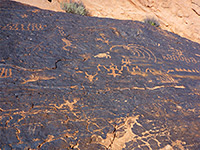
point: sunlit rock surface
(75, 82)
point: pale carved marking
(34, 78)
(90, 77)
(177, 55)
(24, 27)
(103, 55)
(137, 51)
(197, 55)
(66, 103)
(5, 73)
(103, 39)
(67, 44)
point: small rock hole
(50, 1)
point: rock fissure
(195, 12)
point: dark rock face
(73, 82)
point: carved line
(22, 27)
(151, 88)
(5, 73)
(103, 39)
(179, 56)
(90, 77)
(103, 55)
(138, 51)
(34, 78)
(197, 55)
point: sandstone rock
(179, 16)
(77, 82)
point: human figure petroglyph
(90, 77)
(161, 75)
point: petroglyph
(103, 39)
(163, 77)
(90, 83)
(123, 134)
(61, 31)
(67, 43)
(34, 78)
(177, 55)
(90, 77)
(187, 70)
(25, 27)
(66, 103)
(24, 16)
(5, 73)
(136, 51)
(197, 55)
(112, 70)
(151, 88)
(103, 55)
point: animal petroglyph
(103, 55)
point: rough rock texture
(179, 16)
(44, 4)
(72, 82)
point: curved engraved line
(115, 46)
(155, 59)
(138, 53)
(146, 49)
(135, 49)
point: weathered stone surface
(181, 17)
(72, 82)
